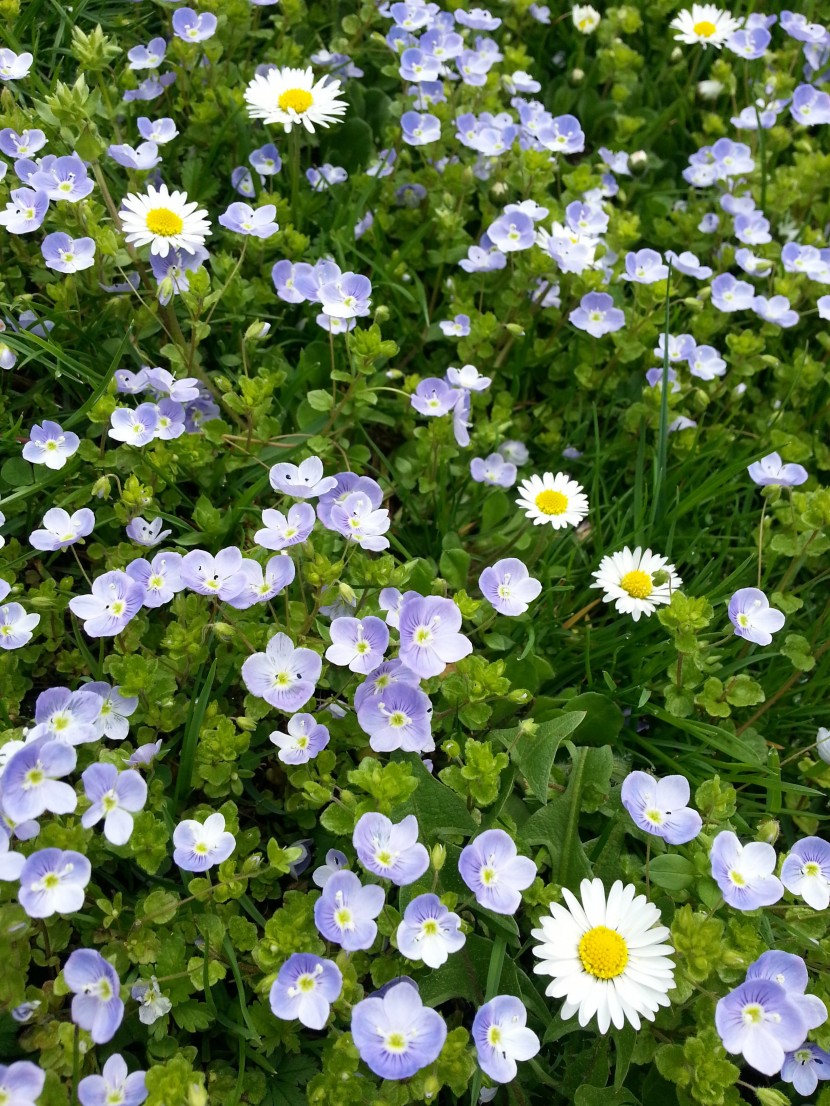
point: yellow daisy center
(604, 954)
(551, 503)
(163, 221)
(637, 583)
(296, 99)
(704, 28)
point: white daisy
(607, 958)
(291, 96)
(554, 499)
(164, 220)
(628, 581)
(706, 24)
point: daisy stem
(294, 140)
(648, 859)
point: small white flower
(706, 24)
(163, 220)
(557, 500)
(292, 97)
(628, 581)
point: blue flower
(397, 1035)
(304, 989)
(345, 912)
(97, 1006)
(501, 1037)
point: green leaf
(438, 809)
(454, 566)
(602, 719)
(672, 872)
(192, 1016)
(586, 1095)
(320, 400)
(534, 753)
(17, 473)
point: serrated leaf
(534, 754)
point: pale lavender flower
(50, 445)
(661, 806)
(171, 272)
(772, 470)
(53, 882)
(201, 845)
(26, 210)
(390, 849)
(364, 224)
(457, 327)
(321, 179)
(358, 520)
(171, 420)
(419, 129)
(358, 643)
(775, 310)
(16, 626)
(142, 157)
(304, 990)
(744, 873)
(150, 89)
(11, 865)
(347, 297)
(136, 427)
(645, 267)
(790, 972)
(285, 275)
(429, 931)
(97, 1006)
(809, 106)
(706, 363)
(148, 57)
(66, 178)
(262, 584)
(115, 599)
(152, 1003)
(306, 737)
(68, 716)
(399, 717)
(806, 872)
(494, 470)
(805, 1067)
(220, 576)
(752, 616)
(144, 755)
(112, 721)
(114, 1086)
(164, 383)
(191, 26)
(281, 531)
(688, 264)
(21, 1083)
(494, 872)
(159, 131)
(396, 1035)
(729, 294)
(335, 862)
(386, 675)
(597, 315)
(303, 481)
(67, 255)
(266, 160)
(501, 1037)
(23, 144)
(160, 578)
(115, 796)
(759, 1021)
(147, 533)
(242, 181)
(429, 635)
(468, 378)
(257, 222)
(508, 586)
(284, 676)
(60, 529)
(514, 231)
(32, 780)
(434, 396)
(345, 912)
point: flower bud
(223, 630)
(768, 831)
(257, 330)
(577, 76)
(431, 1087)
(438, 857)
(248, 725)
(638, 161)
(381, 314)
(768, 1096)
(196, 1095)
(451, 747)
(101, 488)
(347, 593)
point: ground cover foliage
(337, 783)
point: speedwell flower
(50, 445)
(772, 470)
(429, 634)
(390, 849)
(760, 1021)
(115, 796)
(508, 586)
(114, 1086)
(806, 872)
(557, 500)
(345, 912)
(607, 957)
(21, 1083)
(628, 581)
(54, 882)
(283, 675)
(661, 806)
(429, 931)
(494, 872)
(305, 988)
(115, 599)
(97, 1006)
(744, 873)
(501, 1037)
(291, 97)
(358, 643)
(752, 616)
(306, 737)
(60, 529)
(32, 780)
(397, 717)
(396, 1035)
(200, 845)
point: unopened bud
(244, 723)
(768, 831)
(768, 1096)
(577, 76)
(638, 161)
(347, 593)
(438, 857)
(257, 330)
(223, 630)
(102, 487)
(196, 1095)
(381, 314)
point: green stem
(294, 143)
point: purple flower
(729, 294)
(159, 131)
(775, 310)
(744, 873)
(136, 427)
(21, 1083)
(597, 315)
(759, 1021)
(113, 1085)
(147, 533)
(16, 626)
(115, 796)
(171, 273)
(283, 675)
(322, 178)
(398, 717)
(806, 872)
(148, 57)
(790, 972)
(66, 178)
(281, 531)
(96, 1007)
(200, 845)
(468, 378)
(160, 578)
(753, 617)
(514, 231)
(389, 849)
(335, 862)
(772, 470)
(661, 806)
(115, 710)
(347, 297)
(144, 755)
(458, 327)
(31, 780)
(53, 882)
(501, 1037)
(303, 481)
(645, 267)
(262, 584)
(220, 576)
(397, 1035)
(434, 396)
(304, 989)
(804, 1067)
(346, 910)
(797, 26)
(116, 598)
(562, 135)
(24, 144)
(67, 255)
(60, 529)
(429, 931)
(419, 129)
(306, 737)
(243, 219)
(150, 89)
(193, 26)
(494, 470)
(266, 160)
(143, 157)
(357, 519)
(808, 106)
(508, 586)
(386, 675)
(49, 445)
(26, 211)
(429, 637)
(688, 264)
(706, 363)
(494, 872)
(68, 716)
(358, 643)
